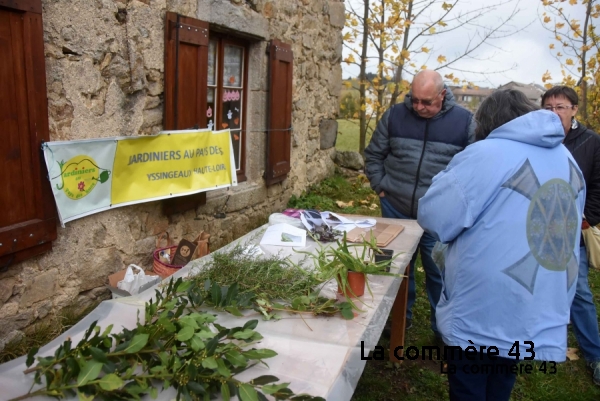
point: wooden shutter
(28, 218)
(280, 112)
(186, 76)
(186, 64)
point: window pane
(212, 52)
(231, 117)
(236, 140)
(210, 108)
(232, 69)
(230, 109)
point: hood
(449, 102)
(540, 128)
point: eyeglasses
(414, 100)
(560, 108)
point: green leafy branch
(176, 346)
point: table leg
(399, 318)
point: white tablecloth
(325, 361)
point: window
(226, 91)
(206, 86)
(28, 220)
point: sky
(523, 57)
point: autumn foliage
(575, 45)
(397, 38)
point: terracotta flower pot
(356, 282)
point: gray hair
(499, 108)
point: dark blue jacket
(407, 151)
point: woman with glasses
(584, 145)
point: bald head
(428, 78)
(427, 93)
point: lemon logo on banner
(80, 175)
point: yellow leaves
(572, 352)
(546, 76)
(354, 22)
(446, 6)
(591, 63)
(548, 86)
(449, 76)
(350, 59)
(572, 2)
(551, 45)
(424, 50)
(344, 205)
(575, 25)
(441, 59)
(405, 54)
(348, 84)
(363, 107)
(395, 49)
(347, 36)
(569, 61)
(432, 30)
(559, 25)
(442, 23)
(547, 19)
(423, 67)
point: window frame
(224, 39)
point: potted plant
(349, 264)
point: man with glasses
(414, 141)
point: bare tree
(402, 31)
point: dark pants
(486, 380)
(433, 276)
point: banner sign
(89, 176)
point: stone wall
(104, 65)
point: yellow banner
(170, 164)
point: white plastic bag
(132, 283)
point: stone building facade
(105, 78)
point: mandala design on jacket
(552, 223)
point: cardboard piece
(384, 233)
(184, 253)
(114, 278)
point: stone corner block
(328, 129)
(337, 14)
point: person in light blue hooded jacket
(510, 209)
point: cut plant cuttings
(160, 352)
(267, 284)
